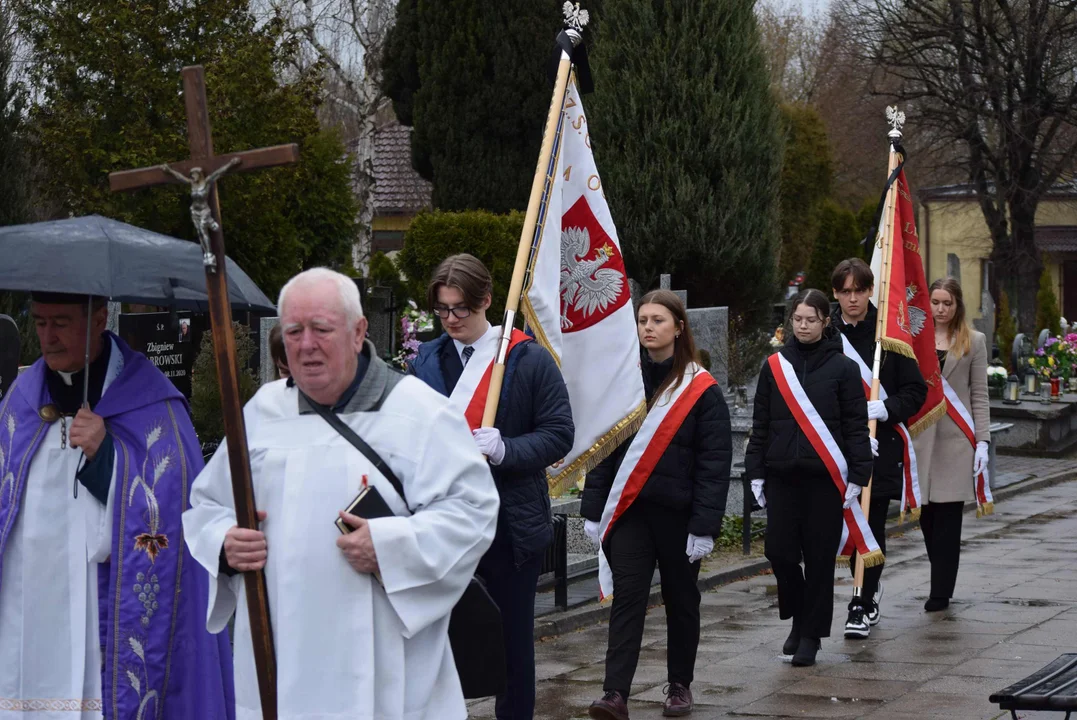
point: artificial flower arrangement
(412, 322)
(1057, 358)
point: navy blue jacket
(535, 420)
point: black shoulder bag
(475, 632)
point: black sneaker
(856, 627)
(873, 614)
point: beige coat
(944, 456)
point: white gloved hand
(874, 447)
(591, 530)
(979, 464)
(852, 492)
(490, 444)
(877, 410)
(757, 490)
(698, 547)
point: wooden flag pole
(880, 328)
(543, 175)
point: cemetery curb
(592, 613)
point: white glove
(591, 529)
(980, 463)
(490, 444)
(852, 492)
(757, 490)
(698, 547)
(874, 447)
(877, 410)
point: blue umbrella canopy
(94, 255)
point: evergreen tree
(687, 140)
(838, 238)
(470, 77)
(807, 170)
(14, 164)
(1048, 316)
(108, 75)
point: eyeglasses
(809, 321)
(460, 312)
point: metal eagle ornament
(896, 118)
(576, 18)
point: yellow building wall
(958, 227)
(391, 222)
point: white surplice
(346, 647)
(50, 653)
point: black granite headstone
(169, 341)
(10, 347)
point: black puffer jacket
(692, 473)
(906, 392)
(832, 382)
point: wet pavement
(1015, 609)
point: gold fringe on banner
(872, 559)
(898, 346)
(985, 509)
(928, 420)
(598, 452)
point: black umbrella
(96, 256)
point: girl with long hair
(949, 462)
(810, 416)
(659, 498)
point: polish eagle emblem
(917, 317)
(586, 286)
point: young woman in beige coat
(946, 460)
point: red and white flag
(578, 305)
(469, 395)
(856, 534)
(907, 325)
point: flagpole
(543, 176)
(882, 310)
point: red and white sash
(855, 534)
(985, 503)
(469, 395)
(659, 426)
(910, 486)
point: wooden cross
(200, 141)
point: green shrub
(1047, 313)
(205, 389)
(433, 236)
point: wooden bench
(1052, 688)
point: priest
(101, 605)
(360, 618)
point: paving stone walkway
(1015, 610)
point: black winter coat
(693, 472)
(906, 392)
(535, 420)
(777, 447)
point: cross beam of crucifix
(200, 172)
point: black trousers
(877, 511)
(804, 521)
(513, 589)
(941, 524)
(647, 533)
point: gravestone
(986, 323)
(710, 328)
(953, 266)
(379, 314)
(267, 370)
(664, 284)
(171, 348)
(10, 348)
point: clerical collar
(66, 388)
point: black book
(368, 504)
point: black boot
(793, 641)
(805, 654)
(934, 604)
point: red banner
(908, 327)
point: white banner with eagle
(577, 302)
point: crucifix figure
(201, 215)
(206, 216)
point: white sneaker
(856, 626)
(873, 614)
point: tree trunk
(1027, 264)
